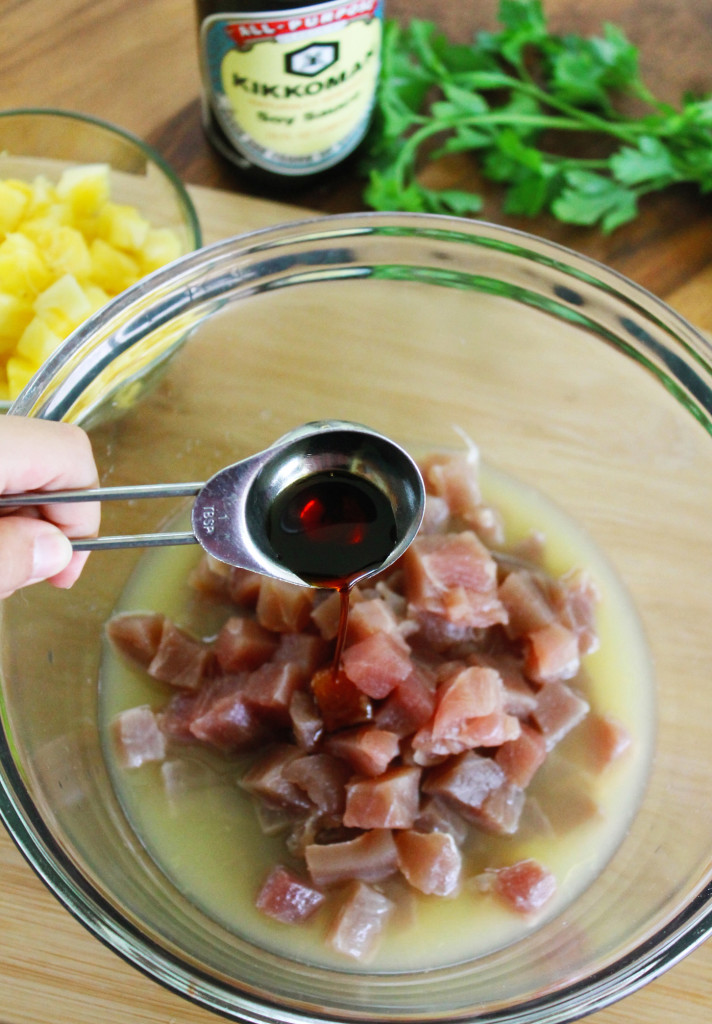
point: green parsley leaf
(588, 197)
(516, 99)
(651, 160)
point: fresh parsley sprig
(527, 103)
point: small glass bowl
(571, 379)
(45, 142)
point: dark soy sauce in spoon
(330, 529)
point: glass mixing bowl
(569, 378)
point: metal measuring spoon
(232, 511)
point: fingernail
(51, 553)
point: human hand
(41, 455)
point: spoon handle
(136, 540)
(100, 494)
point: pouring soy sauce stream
(332, 528)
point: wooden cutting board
(52, 971)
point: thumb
(30, 550)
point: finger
(69, 576)
(43, 455)
(31, 550)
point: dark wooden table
(134, 62)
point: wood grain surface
(135, 63)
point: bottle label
(293, 91)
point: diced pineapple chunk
(161, 246)
(41, 227)
(22, 269)
(112, 269)
(96, 296)
(15, 314)
(19, 373)
(85, 188)
(42, 196)
(37, 342)
(66, 252)
(122, 226)
(63, 305)
(13, 201)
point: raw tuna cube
(409, 706)
(326, 614)
(468, 713)
(224, 718)
(551, 653)
(565, 796)
(244, 586)
(180, 659)
(287, 898)
(533, 820)
(370, 857)
(211, 578)
(302, 649)
(242, 644)
(558, 710)
(270, 689)
(368, 749)
(431, 862)
(454, 477)
(306, 722)
(520, 758)
(390, 590)
(341, 703)
(453, 577)
(519, 696)
(525, 886)
(273, 820)
(436, 515)
(323, 778)
(359, 922)
(607, 739)
(266, 779)
(437, 634)
(464, 781)
(138, 738)
(315, 828)
(437, 816)
(389, 801)
(373, 616)
(471, 693)
(488, 524)
(526, 603)
(283, 607)
(500, 811)
(186, 775)
(176, 717)
(576, 597)
(137, 635)
(487, 731)
(377, 664)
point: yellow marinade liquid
(208, 842)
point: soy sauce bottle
(288, 89)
